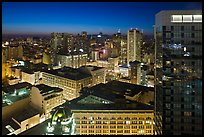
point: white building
(74, 61)
(45, 98)
(31, 77)
(69, 79)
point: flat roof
(64, 53)
(45, 89)
(90, 67)
(110, 96)
(122, 104)
(94, 68)
(10, 123)
(12, 98)
(68, 72)
(11, 88)
(119, 88)
(26, 113)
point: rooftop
(134, 62)
(70, 73)
(70, 53)
(27, 113)
(45, 89)
(9, 125)
(109, 96)
(122, 104)
(12, 88)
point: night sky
(93, 17)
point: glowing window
(176, 18)
(197, 18)
(187, 18)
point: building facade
(45, 98)
(74, 61)
(15, 52)
(134, 42)
(109, 109)
(135, 72)
(114, 122)
(69, 79)
(178, 73)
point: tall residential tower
(134, 41)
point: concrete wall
(11, 110)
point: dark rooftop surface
(122, 104)
(124, 66)
(28, 112)
(93, 68)
(11, 88)
(118, 88)
(67, 53)
(45, 89)
(70, 73)
(110, 96)
(12, 123)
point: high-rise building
(135, 72)
(134, 42)
(61, 41)
(178, 72)
(68, 43)
(4, 59)
(123, 51)
(15, 52)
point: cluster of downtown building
(101, 84)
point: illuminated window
(176, 18)
(187, 18)
(197, 18)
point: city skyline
(93, 17)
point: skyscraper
(61, 42)
(134, 41)
(178, 72)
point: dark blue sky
(93, 17)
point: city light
(82, 73)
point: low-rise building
(27, 118)
(105, 109)
(45, 98)
(16, 97)
(69, 79)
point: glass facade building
(178, 72)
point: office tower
(135, 72)
(134, 41)
(178, 73)
(123, 51)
